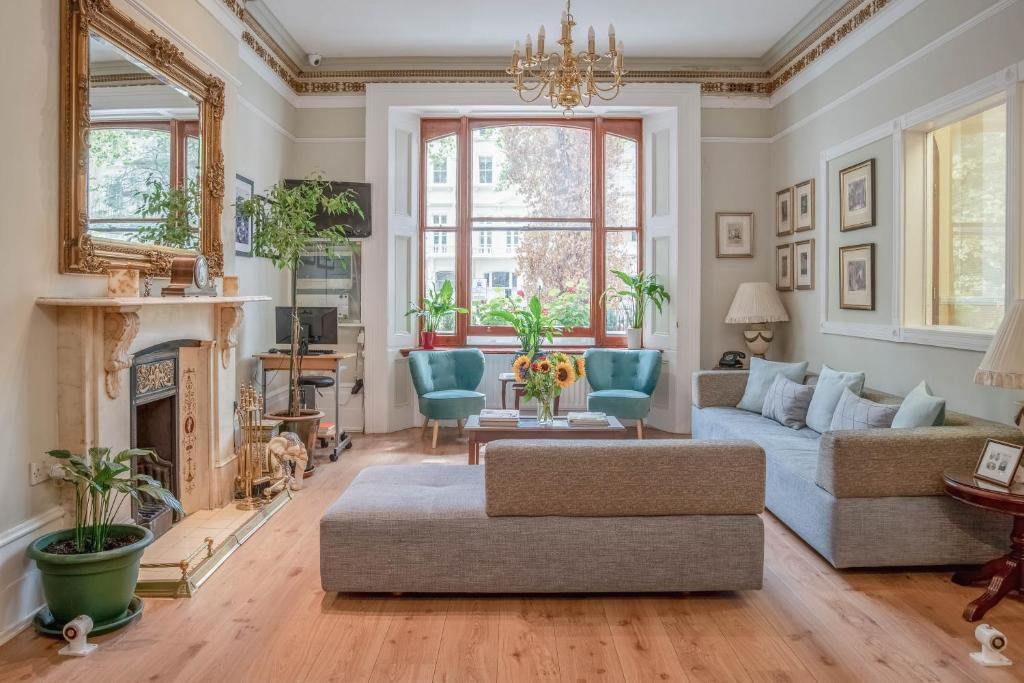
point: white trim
(885, 18)
(31, 524)
(737, 141)
(994, 84)
(734, 102)
(168, 30)
(252, 60)
(893, 68)
(266, 118)
(224, 16)
(864, 330)
(969, 340)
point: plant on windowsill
(285, 230)
(532, 325)
(641, 289)
(437, 306)
(92, 568)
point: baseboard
(21, 595)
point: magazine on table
(498, 418)
(587, 419)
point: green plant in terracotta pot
(438, 304)
(92, 568)
(285, 230)
(640, 289)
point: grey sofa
(871, 498)
(554, 517)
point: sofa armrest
(606, 478)
(884, 463)
(719, 387)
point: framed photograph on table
(784, 212)
(784, 267)
(998, 462)
(734, 235)
(857, 277)
(244, 189)
(804, 205)
(857, 196)
(803, 263)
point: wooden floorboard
(263, 617)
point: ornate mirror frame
(81, 252)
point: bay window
(550, 209)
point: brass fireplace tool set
(253, 452)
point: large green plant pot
(98, 584)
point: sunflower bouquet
(545, 378)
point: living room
(672, 341)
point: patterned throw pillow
(786, 402)
(854, 412)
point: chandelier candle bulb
(529, 48)
(540, 43)
(611, 39)
(591, 42)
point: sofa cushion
(854, 412)
(451, 404)
(762, 374)
(622, 403)
(787, 402)
(827, 392)
(920, 409)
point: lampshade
(756, 302)
(1003, 364)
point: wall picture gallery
(795, 261)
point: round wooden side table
(1003, 574)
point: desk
(325, 362)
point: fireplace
(157, 424)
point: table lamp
(1003, 364)
(757, 304)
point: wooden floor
(263, 617)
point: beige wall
(979, 51)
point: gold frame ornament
(81, 252)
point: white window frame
(1005, 82)
(479, 170)
(434, 168)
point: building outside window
(485, 170)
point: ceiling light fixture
(567, 79)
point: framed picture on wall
(803, 263)
(784, 212)
(857, 277)
(244, 189)
(734, 234)
(784, 267)
(857, 196)
(804, 202)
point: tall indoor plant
(640, 290)
(532, 325)
(285, 230)
(437, 305)
(92, 568)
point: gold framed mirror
(141, 165)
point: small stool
(316, 382)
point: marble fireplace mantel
(121, 325)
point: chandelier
(568, 79)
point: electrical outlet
(38, 472)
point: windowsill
(941, 337)
(510, 349)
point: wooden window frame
(462, 128)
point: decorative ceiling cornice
(753, 82)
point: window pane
(121, 160)
(509, 267)
(536, 171)
(968, 201)
(442, 165)
(620, 182)
(192, 158)
(438, 266)
(621, 252)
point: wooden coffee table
(529, 429)
(1003, 574)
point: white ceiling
(475, 28)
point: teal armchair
(446, 383)
(622, 382)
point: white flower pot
(634, 338)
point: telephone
(732, 359)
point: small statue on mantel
(287, 449)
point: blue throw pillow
(762, 374)
(920, 409)
(827, 392)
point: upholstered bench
(554, 517)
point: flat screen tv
(358, 227)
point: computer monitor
(317, 324)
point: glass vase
(545, 412)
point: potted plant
(437, 305)
(284, 230)
(532, 325)
(545, 377)
(178, 209)
(92, 568)
(641, 289)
